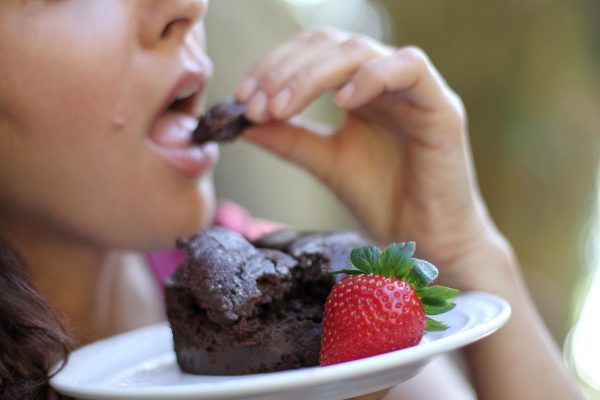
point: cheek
(54, 58)
(61, 99)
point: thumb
(306, 144)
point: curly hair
(33, 339)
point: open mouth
(178, 118)
(172, 130)
(185, 100)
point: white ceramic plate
(141, 364)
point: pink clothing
(163, 264)
(229, 215)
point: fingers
(292, 76)
(277, 66)
(263, 68)
(407, 71)
(358, 68)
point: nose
(168, 20)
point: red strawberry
(382, 305)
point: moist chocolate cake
(237, 307)
(222, 122)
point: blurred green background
(529, 75)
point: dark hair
(32, 337)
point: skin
(405, 142)
(81, 173)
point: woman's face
(98, 99)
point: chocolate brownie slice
(237, 307)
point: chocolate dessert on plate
(241, 307)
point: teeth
(187, 92)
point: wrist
(486, 264)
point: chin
(198, 216)
(181, 220)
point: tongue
(173, 129)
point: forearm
(521, 360)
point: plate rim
(290, 379)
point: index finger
(264, 67)
(408, 70)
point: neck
(65, 273)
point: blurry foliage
(528, 76)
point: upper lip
(188, 88)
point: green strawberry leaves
(434, 326)
(366, 259)
(436, 300)
(422, 274)
(396, 261)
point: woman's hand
(401, 159)
(401, 162)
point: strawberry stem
(396, 261)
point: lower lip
(180, 154)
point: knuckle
(371, 70)
(325, 35)
(458, 106)
(414, 54)
(300, 78)
(271, 80)
(357, 44)
(457, 111)
(302, 35)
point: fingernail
(257, 107)
(345, 93)
(246, 89)
(280, 102)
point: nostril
(177, 25)
(166, 30)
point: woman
(98, 99)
